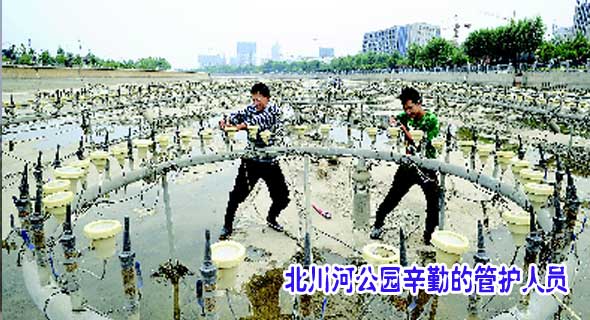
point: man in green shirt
(408, 175)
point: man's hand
(241, 126)
(392, 121)
(222, 124)
(407, 134)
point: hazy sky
(180, 30)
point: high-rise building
(582, 18)
(246, 53)
(399, 38)
(558, 32)
(275, 52)
(211, 60)
(326, 53)
(421, 33)
(386, 41)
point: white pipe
(544, 306)
(433, 164)
(60, 305)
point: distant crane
(456, 23)
(459, 23)
(500, 17)
(456, 26)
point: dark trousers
(249, 173)
(404, 179)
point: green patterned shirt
(428, 123)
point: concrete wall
(10, 72)
(530, 79)
(489, 78)
(533, 79)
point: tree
(576, 50)
(77, 61)
(394, 60)
(91, 60)
(28, 56)
(31, 52)
(546, 51)
(480, 45)
(515, 42)
(151, 63)
(46, 58)
(60, 57)
(110, 64)
(69, 60)
(10, 53)
(525, 37)
(459, 57)
(163, 64)
(581, 46)
(438, 52)
(414, 56)
(25, 59)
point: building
(421, 33)
(582, 18)
(326, 53)
(206, 61)
(399, 38)
(275, 54)
(581, 24)
(561, 32)
(386, 41)
(246, 53)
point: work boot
(376, 233)
(273, 224)
(225, 233)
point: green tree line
(22, 55)
(516, 42)
(576, 50)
